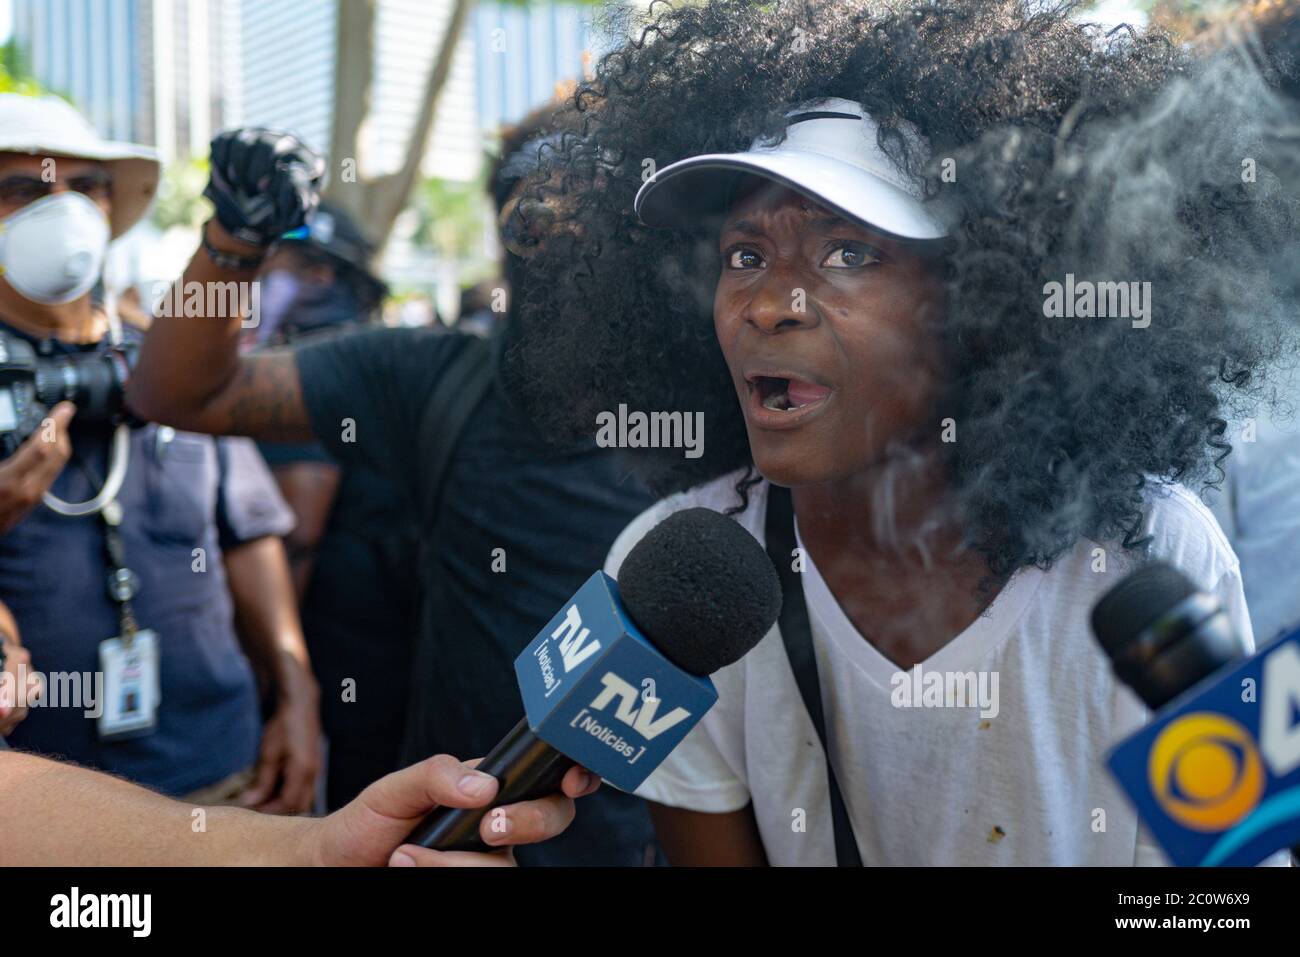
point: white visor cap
(830, 154)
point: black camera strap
(796, 633)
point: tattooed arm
(191, 376)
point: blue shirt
(182, 492)
(1259, 510)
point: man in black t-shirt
(353, 549)
(521, 524)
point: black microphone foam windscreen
(1136, 602)
(701, 588)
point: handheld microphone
(1216, 773)
(617, 677)
(1162, 635)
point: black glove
(263, 183)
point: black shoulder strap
(462, 386)
(797, 635)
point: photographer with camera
(127, 582)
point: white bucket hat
(49, 126)
(830, 153)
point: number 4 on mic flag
(1216, 774)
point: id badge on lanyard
(131, 692)
(129, 660)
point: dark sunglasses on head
(21, 189)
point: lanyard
(796, 633)
(123, 583)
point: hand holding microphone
(367, 831)
(617, 678)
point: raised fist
(263, 183)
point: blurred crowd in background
(417, 104)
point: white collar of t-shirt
(976, 642)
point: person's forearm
(698, 839)
(59, 814)
(310, 489)
(267, 614)
(302, 563)
(187, 360)
(190, 374)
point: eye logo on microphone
(1205, 771)
(1216, 774)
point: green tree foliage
(15, 71)
(451, 217)
(180, 199)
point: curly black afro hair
(1112, 155)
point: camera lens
(90, 382)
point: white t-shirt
(940, 785)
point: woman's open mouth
(777, 401)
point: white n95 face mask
(52, 250)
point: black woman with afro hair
(966, 294)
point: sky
(1108, 11)
(1113, 12)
